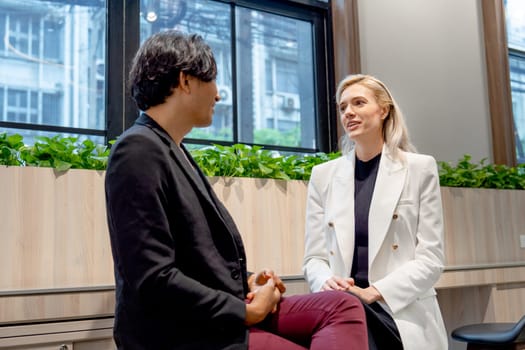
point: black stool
(492, 336)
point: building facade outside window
(49, 53)
(515, 13)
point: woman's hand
(367, 295)
(259, 279)
(338, 283)
(262, 301)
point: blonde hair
(395, 133)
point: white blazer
(405, 252)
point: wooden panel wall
(54, 232)
(270, 216)
(483, 226)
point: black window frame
(123, 41)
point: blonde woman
(374, 223)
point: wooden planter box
(54, 231)
(56, 258)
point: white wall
(431, 55)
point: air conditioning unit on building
(226, 95)
(289, 102)
(100, 69)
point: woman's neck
(365, 152)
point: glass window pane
(33, 107)
(34, 100)
(517, 83)
(282, 114)
(53, 38)
(17, 105)
(2, 117)
(515, 13)
(51, 105)
(2, 33)
(51, 52)
(22, 98)
(12, 97)
(33, 37)
(211, 20)
(23, 23)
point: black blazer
(180, 265)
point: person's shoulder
(419, 158)
(421, 163)
(139, 139)
(328, 165)
(137, 144)
(323, 173)
(134, 133)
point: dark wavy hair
(157, 65)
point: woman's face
(361, 116)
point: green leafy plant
(9, 148)
(480, 175)
(65, 153)
(241, 160)
(61, 153)
(300, 167)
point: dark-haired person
(180, 265)
(374, 222)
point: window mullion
(233, 55)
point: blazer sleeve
(143, 247)
(316, 266)
(417, 276)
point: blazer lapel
(199, 180)
(190, 168)
(389, 184)
(184, 159)
(342, 208)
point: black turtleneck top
(365, 178)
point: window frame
(122, 42)
(121, 111)
(498, 80)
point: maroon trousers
(323, 321)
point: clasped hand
(367, 295)
(265, 293)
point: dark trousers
(382, 330)
(323, 321)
